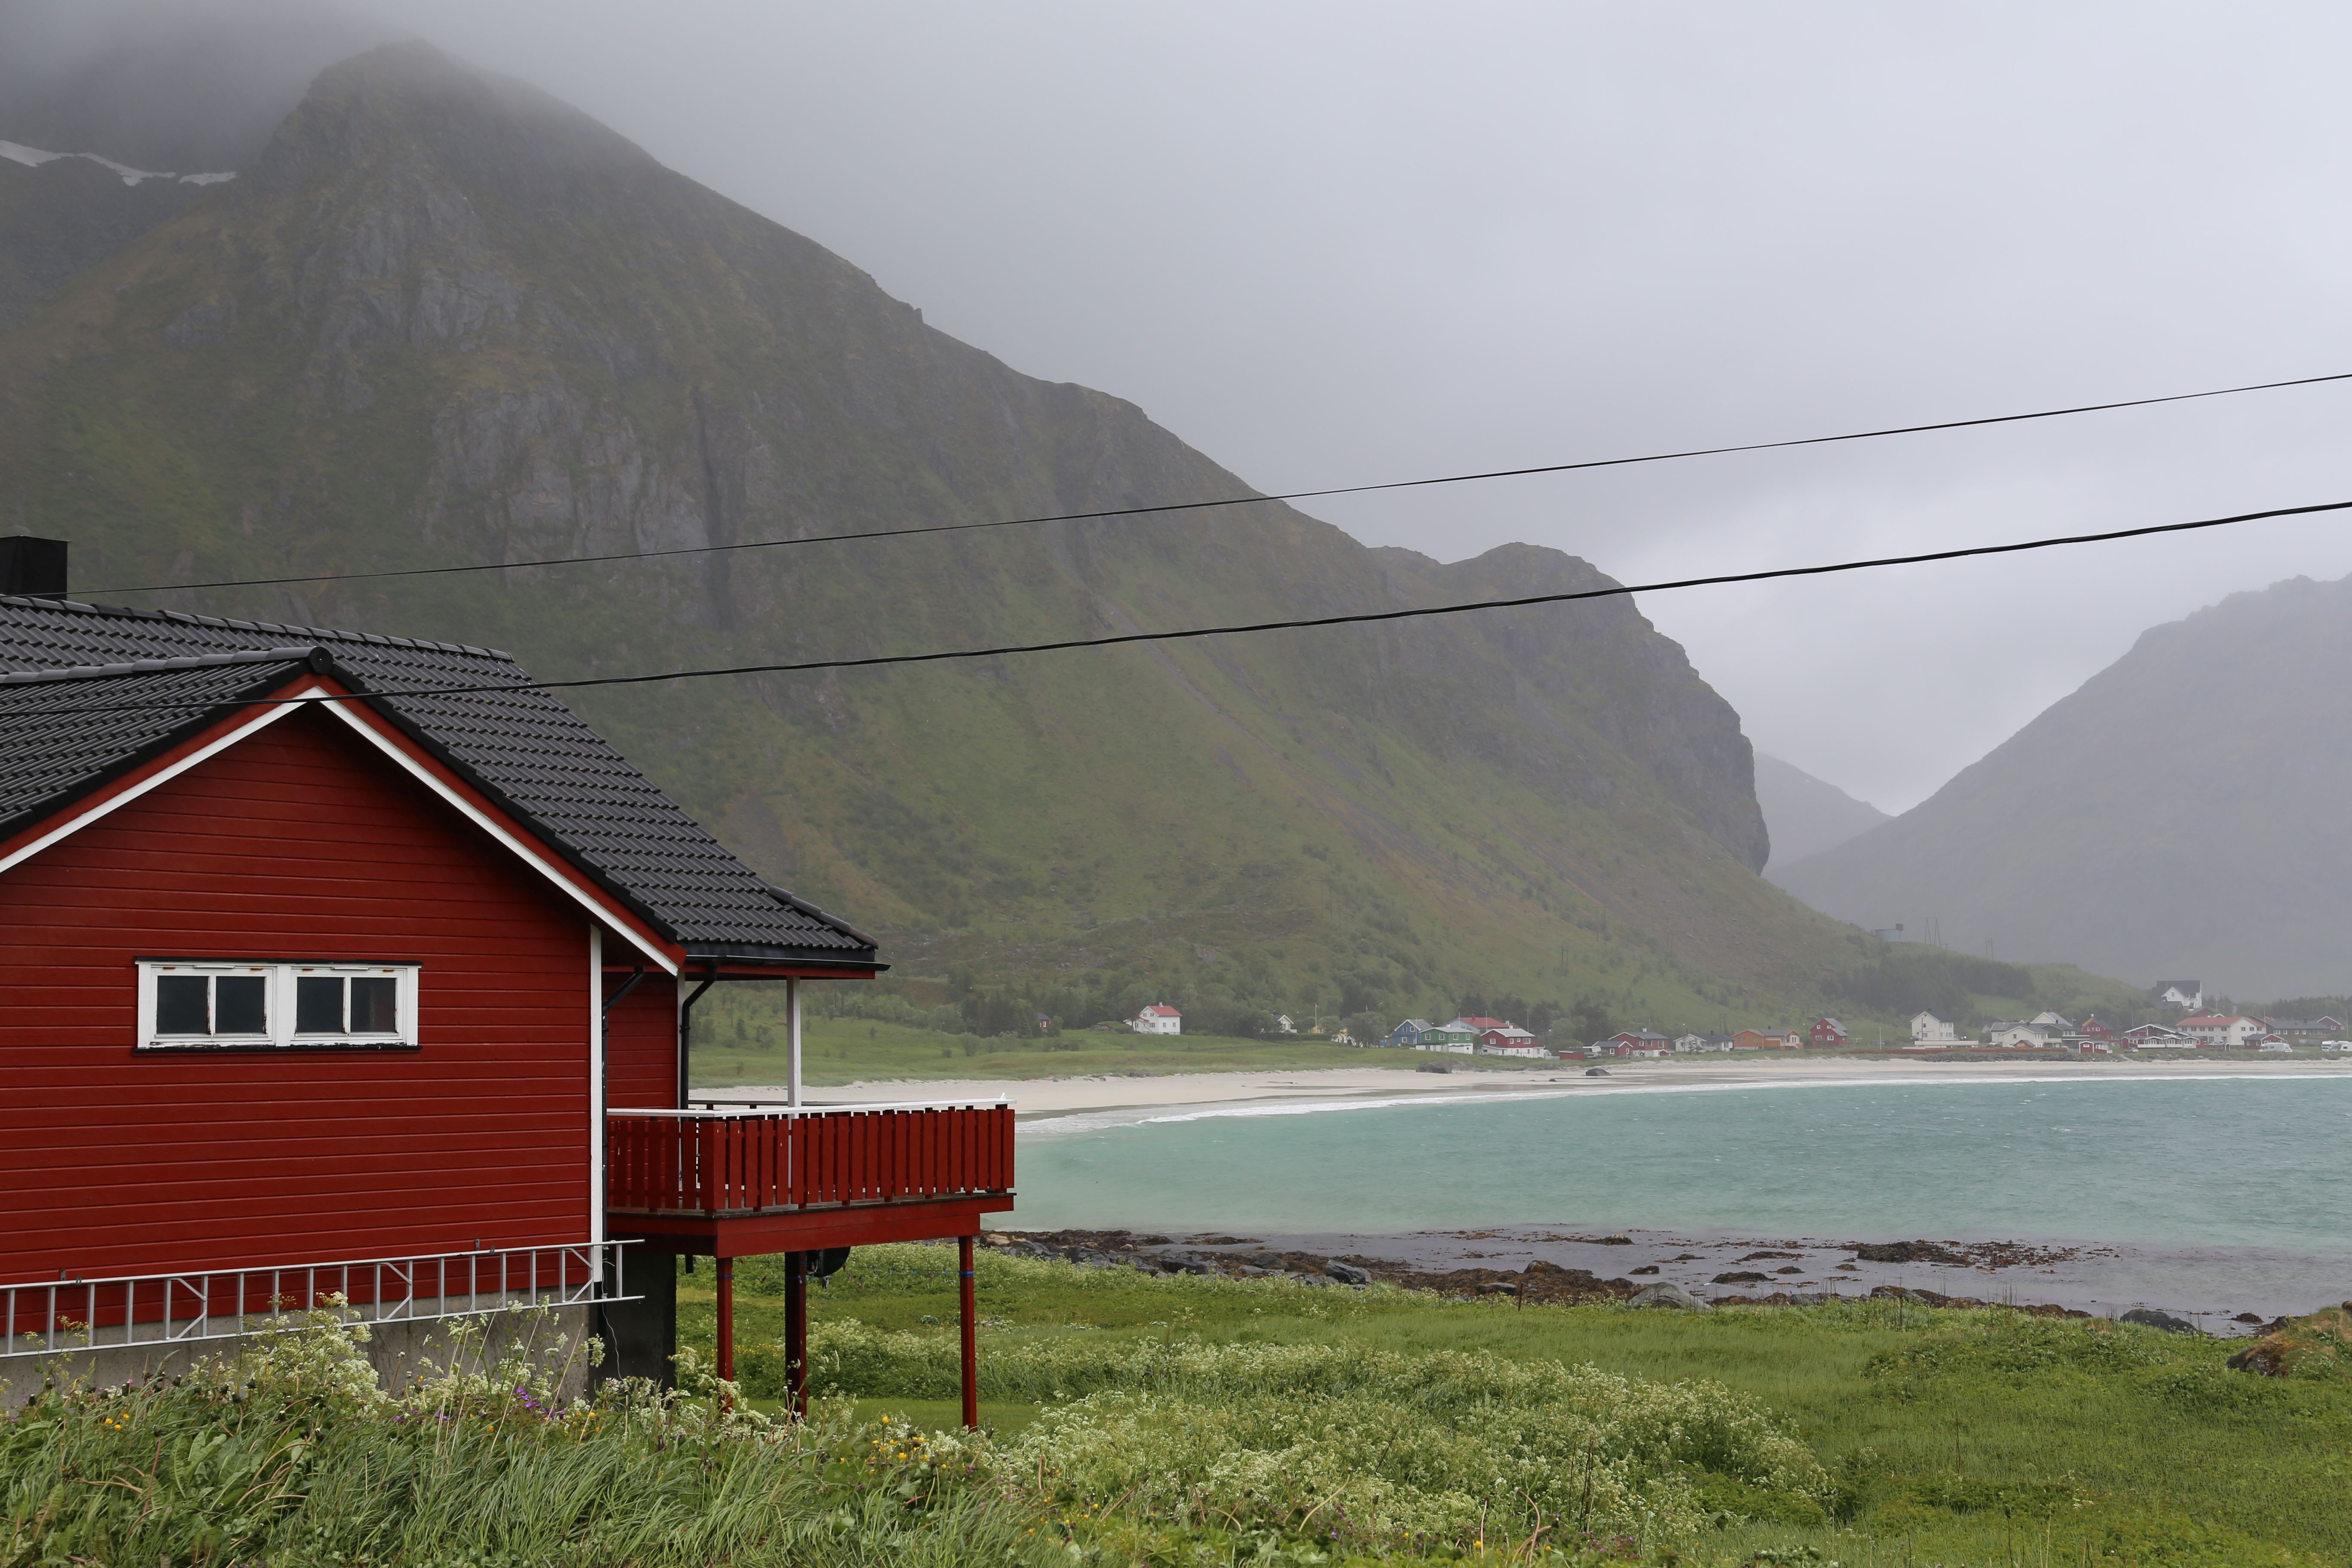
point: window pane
(180, 1004)
(239, 1004)
(318, 1005)
(375, 1006)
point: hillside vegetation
(443, 318)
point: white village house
(1927, 1029)
(2186, 994)
(1158, 1020)
(2223, 1032)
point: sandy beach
(1038, 1098)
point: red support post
(970, 1335)
(796, 1331)
(725, 1269)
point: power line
(1359, 619)
(1230, 500)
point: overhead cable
(1305, 623)
(1229, 500)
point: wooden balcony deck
(732, 1182)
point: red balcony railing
(718, 1163)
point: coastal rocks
(1646, 1268)
(1760, 1256)
(1741, 1277)
(1969, 1304)
(1956, 1255)
(1910, 1252)
(1666, 1293)
(1348, 1273)
(2318, 1344)
(1615, 1241)
(2148, 1317)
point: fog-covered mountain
(2187, 811)
(1806, 815)
(441, 316)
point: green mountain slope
(2181, 813)
(443, 318)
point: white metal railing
(76, 1315)
(705, 1105)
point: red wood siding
(298, 843)
(642, 1054)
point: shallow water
(2186, 1163)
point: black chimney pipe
(33, 567)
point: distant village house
(1509, 1040)
(2187, 994)
(1928, 1029)
(1826, 1032)
(1157, 1019)
(2222, 1032)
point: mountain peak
(494, 132)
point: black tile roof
(48, 759)
(524, 749)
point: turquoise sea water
(2174, 1163)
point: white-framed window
(225, 1004)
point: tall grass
(289, 1454)
(1381, 1447)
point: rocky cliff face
(63, 216)
(443, 318)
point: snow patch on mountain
(34, 157)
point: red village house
(390, 997)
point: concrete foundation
(398, 1351)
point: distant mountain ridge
(443, 317)
(2183, 812)
(1806, 815)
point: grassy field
(1144, 1422)
(1952, 1437)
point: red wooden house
(1826, 1032)
(389, 995)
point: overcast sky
(1331, 244)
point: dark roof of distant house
(2301, 1025)
(523, 748)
